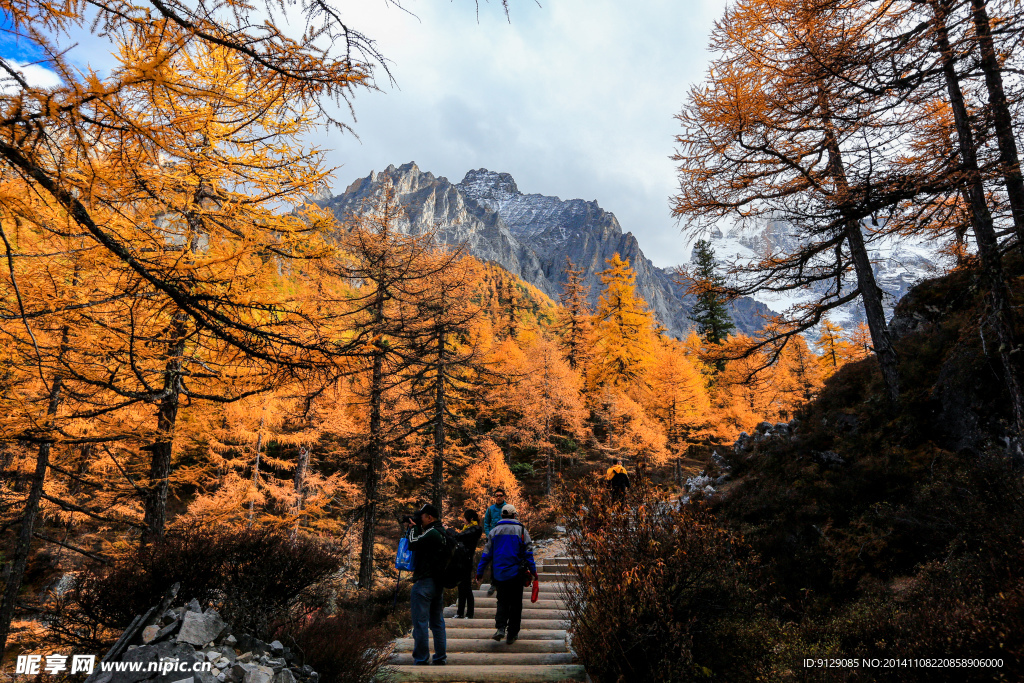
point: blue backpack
(405, 559)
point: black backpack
(456, 560)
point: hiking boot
(499, 635)
(439, 662)
(511, 639)
(490, 590)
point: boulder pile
(190, 636)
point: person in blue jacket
(491, 518)
(508, 544)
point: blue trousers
(427, 612)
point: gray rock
(277, 647)
(277, 663)
(227, 652)
(150, 633)
(240, 669)
(245, 657)
(168, 630)
(194, 606)
(230, 640)
(763, 427)
(828, 457)
(260, 674)
(199, 629)
(284, 676)
(213, 655)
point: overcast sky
(574, 98)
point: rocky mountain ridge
(530, 235)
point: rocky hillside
(530, 235)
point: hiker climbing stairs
(540, 655)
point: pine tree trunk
(256, 471)
(870, 293)
(167, 417)
(1002, 120)
(28, 521)
(437, 480)
(981, 220)
(374, 452)
(547, 477)
(300, 488)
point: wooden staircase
(540, 655)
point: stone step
(482, 622)
(494, 658)
(542, 603)
(554, 577)
(544, 588)
(487, 632)
(544, 673)
(487, 645)
(480, 612)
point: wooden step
(543, 673)
(493, 658)
(487, 645)
(483, 622)
(487, 632)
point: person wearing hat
(491, 519)
(427, 539)
(508, 545)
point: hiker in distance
(491, 518)
(617, 480)
(469, 536)
(509, 551)
(427, 540)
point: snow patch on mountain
(899, 262)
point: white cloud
(36, 76)
(575, 99)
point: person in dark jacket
(428, 541)
(508, 545)
(469, 535)
(617, 480)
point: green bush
(521, 469)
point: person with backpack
(509, 552)
(428, 540)
(491, 518)
(469, 536)
(617, 480)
